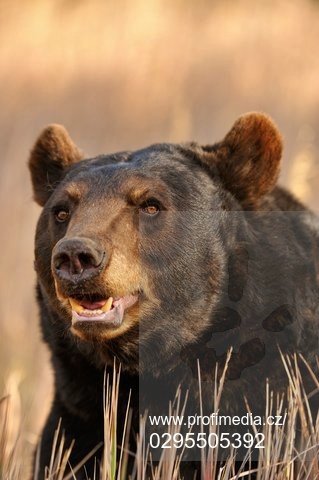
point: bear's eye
(61, 215)
(151, 207)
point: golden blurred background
(122, 74)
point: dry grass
(285, 457)
(123, 74)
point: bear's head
(132, 247)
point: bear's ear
(52, 153)
(248, 159)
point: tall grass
(286, 456)
(11, 447)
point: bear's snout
(77, 258)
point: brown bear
(161, 257)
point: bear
(165, 259)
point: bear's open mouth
(94, 308)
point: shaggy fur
(228, 260)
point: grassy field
(286, 456)
(121, 75)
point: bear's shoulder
(283, 200)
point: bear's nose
(77, 257)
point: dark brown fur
(228, 261)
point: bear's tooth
(92, 313)
(107, 305)
(76, 306)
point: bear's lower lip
(110, 312)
